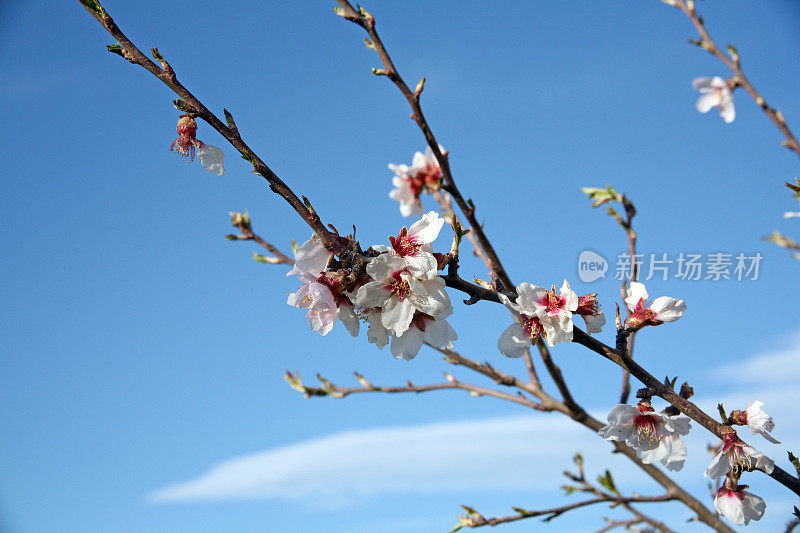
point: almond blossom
(406, 191)
(414, 245)
(715, 93)
(738, 505)
(589, 309)
(654, 436)
(322, 293)
(736, 456)
(424, 328)
(543, 313)
(399, 293)
(757, 420)
(410, 182)
(211, 157)
(662, 309)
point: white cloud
(346, 467)
(442, 457)
(779, 366)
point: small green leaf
(229, 120)
(607, 481)
(93, 6)
(115, 49)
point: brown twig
(166, 74)
(242, 222)
(367, 21)
(481, 521)
(733, 62)
(329, 389)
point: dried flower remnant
(187, 144)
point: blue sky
(142, 349)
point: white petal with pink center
(735, 453)
(662, 309)
(414, 245)
(403, 192)
(654, 436)
(517, 337)
(739, 506)
(760, 422)
(399, 293)
(321, 305)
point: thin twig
(733, 62)
(367, 21)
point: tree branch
(733, 62)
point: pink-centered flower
(738, 457)
(662, 309)
(187, 144)
(410, 182)
(715, 93)
(654, 436)
(738, 505)
(758, 421)
(414, 245)
(400, 294)
(542, 313)
(589, 309)
(322, 293)
(435, 331)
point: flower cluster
(211, 157)
(547, 314)
(405, 302)
(402, 298)
(654, 436)
(423, 175)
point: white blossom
(414, 245)
(410, 182)
(399, 293)
(542, 312)
(435, 331)
(758, 421)
(406, 191)
(654, 436)
(212, 158)
(321, 293)
(739, 506)
(715, 93)
(736, 455)
(662, 309)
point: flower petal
(212, 159)
(513, 342)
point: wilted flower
(716, 93)
(662, 309)
(654, 436)
(739, 506)
(738, 457)
(589, 309)
(211, 157)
